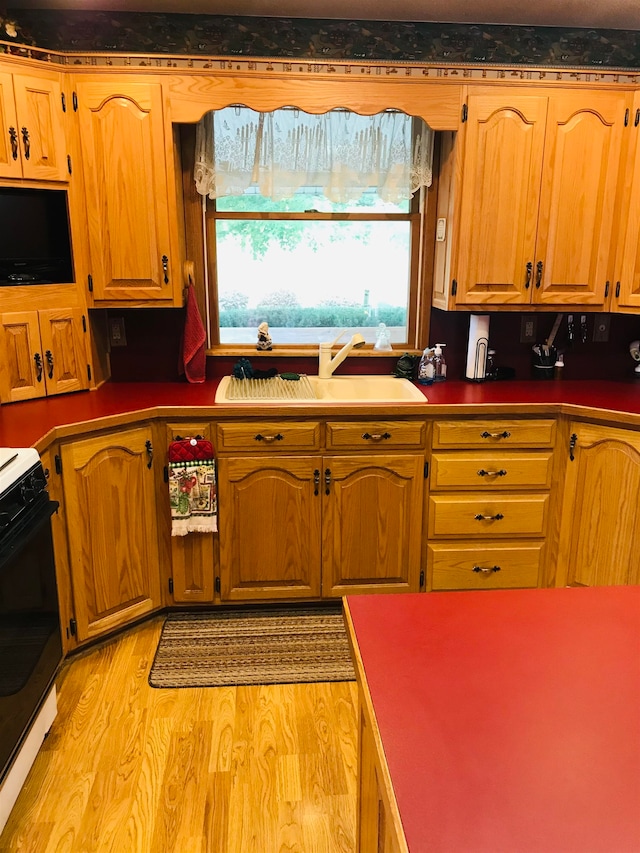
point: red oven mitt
(190, 450)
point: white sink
(310, 389)
(366, 389)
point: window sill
(304, 352)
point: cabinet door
(10, 161)
(63, 350)
(269, 527)
(122, 143)
(111, 521)
(21, 367)
(499, 205)
(41, 132)
(578, 197)
(192, 556)
(627, 286)
(372, 523)
(601, 523)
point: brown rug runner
(237, 647)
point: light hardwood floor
(133, 769)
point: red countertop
(510, 719)
(24, 424)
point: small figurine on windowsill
(264, 338)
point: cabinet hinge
(69, 168)
(216, 584)
(165, 474)
(89, 372)
(73, 627)
(64, 102)
(606, 290)
(617, 289)
(426, 470)
(454, 287)
(636, 121)
(74, 101)
(90, 283)
(171, 586)
(422, 579)
(626, 117)
(57, 459)
(465, 112)
(84, 323)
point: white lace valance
(340, 152)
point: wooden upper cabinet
(42, 353)
(500, 189)
(127, 191)
(579, 189)
(32, 143)
(626, 290)
(538, 196)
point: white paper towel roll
(478, 346)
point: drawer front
(487, 516)
(484, 566)
(353, 435)
(527, 432)
(491, 470)
(267, 436)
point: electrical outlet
(117, 334)
(528, 329)
(601, 325)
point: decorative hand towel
(192, 487)
(194, 337)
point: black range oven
(30, 640)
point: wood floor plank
(134, 769)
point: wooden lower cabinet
(372, 523)
(110, 505)
(306, 526)
(600, 520)
(269, 527)
(193, 557)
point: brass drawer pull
(483, 473)
(277, 437)
(376, 436)
(486, 434)
(497, 517)
(486, 570)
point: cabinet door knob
(316, 482)
(148, 446)
(527, 280)
(539, 268)
(165, 268)
(13, 137)
(49, 356)
(327, 481)
(26, 142)
(38, 360)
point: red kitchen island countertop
(510, 719)
(27, 423)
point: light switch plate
(601, 326)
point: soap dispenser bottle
(426, 368)
(439, 364)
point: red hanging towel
(193, 340)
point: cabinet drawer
(353, 435)
(488, 471)
(529, 432)
(268, 436)
(481, 566)
(487, 515)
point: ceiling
(606, 14)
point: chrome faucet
(326, 364)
